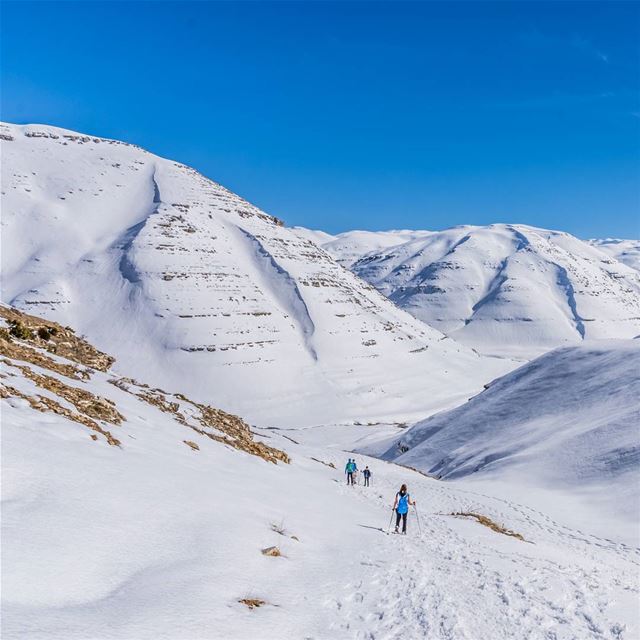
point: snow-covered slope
(347, 248)
(125, 517)
(193, 288)
(567, 421)
(502, 289)
(626, 251)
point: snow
(626, 251)
(502, 289)
(348, 247)
(154, 540)
(566, 422)
(194, 289)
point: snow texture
(155, 540)
(194, 289)
(567, 421)
(502, 289)
(197, 291)
(626, 251)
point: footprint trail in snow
(461, 581)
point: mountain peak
(193, 288)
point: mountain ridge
(503, 289)
(193, 288)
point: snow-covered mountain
(193, 288)
(131, 512)
(347, 248)
(567, 421)
(626, 251)
(502, 289)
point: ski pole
(418, 519)
(390, 520)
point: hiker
(349, 468)
(355, 471)
(401, 507)
(367, 474)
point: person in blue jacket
(401, 507)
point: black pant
(404, 521)
(349, 477)
(366, 481)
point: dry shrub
(18, 330)
(488, 522)
(54, 338)
(213, 423)
(279, 528)
(45, 404)
(252, 603)
(326, 464)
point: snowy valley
(146, 515)
(184, 377)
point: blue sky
(356, 115)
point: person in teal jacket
(349, 470)
(401, 507)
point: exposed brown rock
(45, 404)
(231, 429)
(28, 338)
(21, 351)
(252, 603)
(62, 340)
(84, 401)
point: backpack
(403, 503)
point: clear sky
(338, 115)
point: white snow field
(569, 422)
(627, 251)
(132, 512)
(151, 539)
(192, 288)
(503, 289)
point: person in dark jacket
(367, 474)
